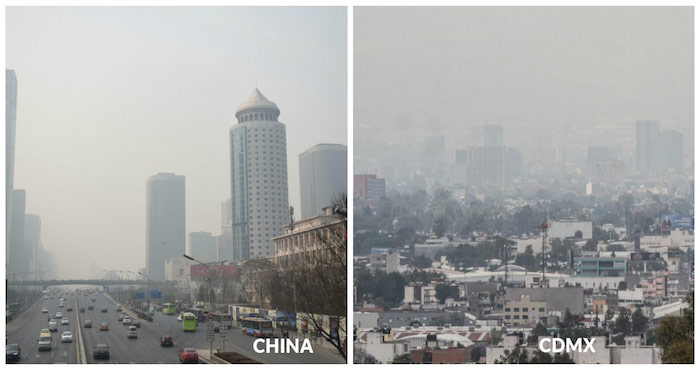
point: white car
(64, 322)
(44, 310)
(66, 337)
(126, 321)
(59, 315)
(179, 317)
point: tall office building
(483, 165)
(670, 151)
(323, 175)
(259, 190)
(19, 256)
(202, 246)
(165, 221)
(224, 242)
(493, 135)
(368, 188)
(10, 121)
(32, 239)
(647, 134)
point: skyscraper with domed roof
(259, 191)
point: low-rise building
(384, 260)
(524, 311)
(599, 267)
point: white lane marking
(161, 362)
(25, 356)
(65, 353)
(52, 352)
(37, 356)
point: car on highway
(136, 323)
(126, 320)
(121, 316)
(104, 309)
(69, 309)
(52, 317)
(132, 332)
(189, 355)
(104, 326)
(65, 322)
(45, 332)
(90, 308)
(53, 326)
(67, 337)
(59, 315)
(87, 324)
(179, 317)
(166, 341)
(82, 309)
(100, 351)
(92, 299)
(118, 308)
(60, 304)
(44, 310)
(13, 353)
(45, 343)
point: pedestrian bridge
(88, 282)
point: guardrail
(79, 345)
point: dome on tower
(257, 101)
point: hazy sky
(110, 96)
(566, 74)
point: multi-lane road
(145, 349)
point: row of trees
(442, 213)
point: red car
(189, 355)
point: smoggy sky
(557, 76)
(110, 96)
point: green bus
(168, 308)
(189, 321)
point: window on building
(516, 309)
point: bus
(223, 318)
(256, 326)
(189, 321)
(168, 308)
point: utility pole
(544, 226)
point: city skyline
(152, 90)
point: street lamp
(294, 260)
(145, 292)
(211, 344)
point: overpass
(102, 282)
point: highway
(146, 349)
(24, 330)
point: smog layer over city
(160, 161)
(523, 185)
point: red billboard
(199, 271)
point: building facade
(19, 255)
(203, 246)
(165, 221)
(323, 175)
(368, 188)
(32, 239)
(310, 240)
(259, 189)
(10, 124)
(647, 134)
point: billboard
(673, 221)
(199, 271)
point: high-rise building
(516, 163)
(670, 151)
(165, 221)
(224, 242)
(259, 190)
(202, 246)
(483, 165)
(493, 135)
(19, 256)
(647, 134)
(10, 121)
(368, 188)
(32, 239)
(322, 176)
